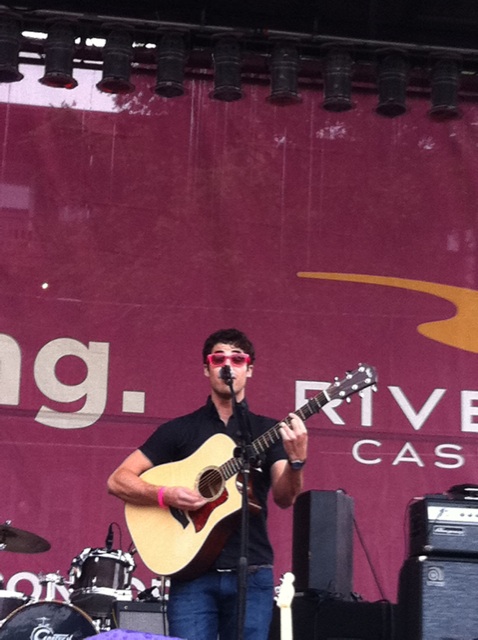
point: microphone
(226, 374)
(109, 538)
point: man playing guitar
(203, 601)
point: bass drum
(10, 601)
(47, 620)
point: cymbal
(19, 541)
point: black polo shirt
(181, 437)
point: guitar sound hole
(211, 483)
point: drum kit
(98, 578)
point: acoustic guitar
(185, 543)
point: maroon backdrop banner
(131, 228)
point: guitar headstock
(286, 591)
(355, 381)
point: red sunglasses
(237, 359)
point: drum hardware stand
(103, 624)
(162, 583)
(108, 621)
(157, 592)
(51, 580)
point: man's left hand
(294, 436)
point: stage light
(171, 55)
(392, 84)
(117, 56)
(445, 77)
(59, 51)
(284, 75)
(338, 80)
(10, 39)
(227, 70)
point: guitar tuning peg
(349, 399)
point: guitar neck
(355, 381)
(272, 435)
(284, 601)
(286, 623)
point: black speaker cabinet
(317, 619)
(438, 599)
(147, 617)
(322, 552)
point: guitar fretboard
(272, 435)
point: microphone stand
(245, 454)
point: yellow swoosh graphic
(459, 331)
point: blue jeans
(206, 608)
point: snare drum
(98, 577)
(9, 601)
(44, 620)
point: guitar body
(181, 543)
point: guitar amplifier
(441, 526)
(147, 617)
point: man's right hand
(183, 498)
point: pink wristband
(160, 497)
